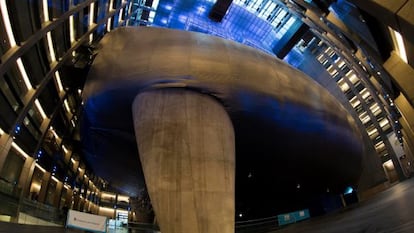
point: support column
(186, 147)
(5, 145)
(45, 185)
(26, 176)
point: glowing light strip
(130, 8)
(108, 24)
(71, 29)
(398, 44)
(66, 105)
(120, 15)
(373, 131)
(1, 132)
(153, 10)
(41, 168)
(66, 186)
(155, 4)
(55, 179)
(91, 16)
(65, 149)
(40, 109)
(54, 132)
(24, 74)
(105, 209)
(6, 20)
(45, 10)
(50, 46)
(111, 3)
(58, 81)
(383, 123)
(16, 147)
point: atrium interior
(66, 144)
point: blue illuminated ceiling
(258, 24)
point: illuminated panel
(107, 196)
(267, 9)
(372, 132)
(58, 81)
(384, 124)
(285, 27)
(375, 109)
(355, 102)
(120, 15)
(108, 24)
(48, 35)
(91, 17)
(66, 105)
(50, 47)
(379, 146)
(65, 149)
(55, 179)
(352, 77)
(343, 85)
(280, 15)
(331, 70)
(54, 133)
(123, 198)
(24, 74)
(364, 117)
(71, 29)
(364, 93)
(40, 109)
(111, 3)
(6, 20)
(340, 62)
(153, 11)
(399, 44)
(45, 10)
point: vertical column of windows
(18, 84)
(351, 85)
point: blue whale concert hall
(181, 116)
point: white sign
(84, 221)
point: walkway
(391, 211)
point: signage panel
(85, 221)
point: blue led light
(39, 154)
(348, 190)
(201, 10)
(168, 7)
(182, 18)
(17, 129)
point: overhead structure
(186, 146)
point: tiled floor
(22, 228)
(391, 211)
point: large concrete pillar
(186, 146)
